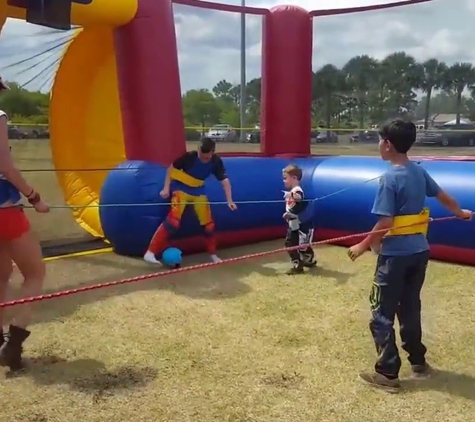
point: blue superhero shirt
(189, 173)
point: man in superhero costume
(185, 180)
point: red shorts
(13, 223)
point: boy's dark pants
(304, 236)
(397, 285)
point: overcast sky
(209, 41)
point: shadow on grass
(208, 283)
(205, 286)
(340, 277)
(263, 268)
(453, 383)
(215, 283)
(85, 375)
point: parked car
(254, 136)
(448, 136)
(192, 135)
(15, 133)
(222, 133)
(369, 136)
(324, 137)
(40, 133)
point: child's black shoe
(311, 264)
(296, 269)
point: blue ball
(172, 257)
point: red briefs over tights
(13, 223)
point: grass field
(240, 343)
(237, 343)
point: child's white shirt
(291, 197)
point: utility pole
(242, 105)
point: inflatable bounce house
(116, 104)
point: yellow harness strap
(186, 179)
(419, 224)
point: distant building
(442, 119)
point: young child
(403, 255)
(300, 231)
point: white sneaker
(150, 258)
(215, 258)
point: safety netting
(412, 62)
(220, 54)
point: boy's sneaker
(151, 259)
(421, 371)
(296, 269)
(311, 264)
(377, 380)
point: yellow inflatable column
(111, 13)
(85, 122)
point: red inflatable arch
(156, 100)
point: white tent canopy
(454, 122)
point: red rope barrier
(192, 268)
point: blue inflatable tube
(344, 188)
(131, 208)
(349, 211)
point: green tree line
(23, 106)
(364, 91)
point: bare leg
(6, 269)
(26, 253)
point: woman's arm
(7, 167)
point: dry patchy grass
(59, 224)
(238, 343)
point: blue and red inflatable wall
(153, 129)
(342, 190)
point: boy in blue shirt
(403, 255)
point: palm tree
(327, 83)
(253, 90)
(433, 75)
(350, 103)
(360, 73)
(459, 77)
(378, 97)
(223, 90)
(402, 75)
